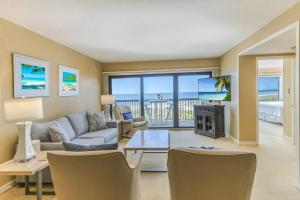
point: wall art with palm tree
(31, 76)
(215, 89)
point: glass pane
(268, 88)
(158, 98)
(187, 98)
(127, 92)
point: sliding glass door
(188, 97)
(127, 91)
(158, 100)
(166, 100)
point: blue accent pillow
(127, 116)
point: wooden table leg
(27, 191)
(39, 187)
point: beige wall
(14, 38)
(270, 71)
(160, 65)
(164, 66)
(229, 61)
(248, 98)
(288, 95)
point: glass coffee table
(150, 141)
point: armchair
(210, 174)
(95, 175)
(129, 127)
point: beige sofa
(76, 125)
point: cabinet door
(200, 122)
(209, 123)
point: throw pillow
(57, 133)
(76, 147)
(96, 121)
(127, 116)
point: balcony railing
(160, 112)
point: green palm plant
(221, 83)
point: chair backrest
(118, 113)
(103, 175)
(125, 108)
(210, 174)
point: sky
(268, 83)
(207, 85)
(159, 84)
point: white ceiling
(138, 30)
(270, 63)
(283, 43)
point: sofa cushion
(96, 121)
(87, 141)
(79, 122)
(40, 131)
(57, 133)
(65, 124)
(76, 147)
(107, 134)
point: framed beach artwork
(68, 81)
(31, 76)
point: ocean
(267, 92)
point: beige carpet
(275, 177)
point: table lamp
(107, 100)
(22, 111)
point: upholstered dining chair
(95, 175)
(196, 174)
(129, 126)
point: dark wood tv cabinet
(209, 120)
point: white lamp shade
(17, 110)
(107, 99)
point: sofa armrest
(135, 160)
(52, 146)
(126, 122)
(139, 119)
(112, 124)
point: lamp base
(25, 150)
(107, 113)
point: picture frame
(68, 81)
(31, 76)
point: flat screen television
(215, 89)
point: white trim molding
(243, 143)
(181, 70)
(236, 141)
(7, 186)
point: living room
(153, 58)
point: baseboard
(246, 143)
(7, 186)
(288, 138)
(233, 139)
